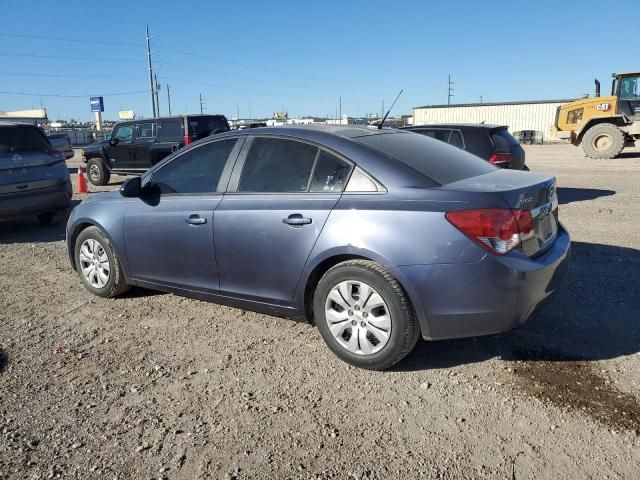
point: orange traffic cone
(82, 182)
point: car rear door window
(275, 165)
(456, 139)
(330, 174)
(197, 170)
(200, 127)
(145, 130)
(437, 133)
(171, 130)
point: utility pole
(449, 90)
(340, 115)
(155, 77)
(480, 98)
(169, 99)
(153, 98)
(250, 117)
(382, 111)
(201, 104)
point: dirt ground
(158, 386)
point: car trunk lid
(533, 192)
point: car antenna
(389, 111)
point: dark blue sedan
(379, 237)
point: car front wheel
(98, 265)
(364, 315)
(97, 172)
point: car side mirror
(113, 141)
(131, 187)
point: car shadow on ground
(570, 195)
(3, 360)
(29, 230)
(629, 154)
(594, 317)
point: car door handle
(196, 219)
(296, 219)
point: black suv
(493, 143)
(136, 145)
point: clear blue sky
(301, 56)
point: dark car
(62, 143)
(379, 237)
(34, 179)
(494, 143)
(136, 145)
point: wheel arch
(75, 231)
(617, 120)
(320, 266)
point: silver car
(34, 179)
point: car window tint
(200, 127)
(503, 140)
(145, 129)
(123, 132)
(456, 139)
(197, 170)
(22, 139)
(277, 165)
(438, 134)
(438, 161)
(330, 174)
(171, 129)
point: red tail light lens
(500, 159)
(496, 229)
(187, 139)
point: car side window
(275, 165)
(145, 130)
(123, 132)
(330, 174)
(437, 133)
(171, 129)
(197, 170)
(456, 139)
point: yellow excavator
(603, 126)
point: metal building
(538, 115)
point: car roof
(487, 126)
(172, 117)
(315, 132)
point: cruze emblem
(17, 158)
(525, 201)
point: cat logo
(603, 107)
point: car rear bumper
(35, 201)
(491, 296)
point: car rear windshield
(436, 160)
(503, 140)
(200, 127)
(22, 139)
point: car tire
(97, 173)
(603, 140)
(374, 336)
(94, 249)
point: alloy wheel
(94, 172)
(358, 317)
(94, 263)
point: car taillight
(499, 230)
(500, 159)
(187, 139)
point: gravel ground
(158, 386)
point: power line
(63, 57)
(73, 40)
(72, 96)
(79, 75)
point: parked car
(62, 143)
(379, 237)
(136, 145)
(494, 143)
(34, 179)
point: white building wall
(520, 116)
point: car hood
(96, 145)
(104, 197)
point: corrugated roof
(494, 104)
